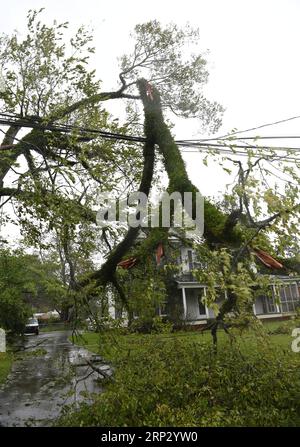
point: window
(162, 309)
(190, 259)
(202, 309)
(289, 297)
(269, 305)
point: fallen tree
(55, 160)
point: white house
(265, 307)
(187, 294)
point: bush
(175, 382)
(13, 312)
(148, 325)
(284, 328)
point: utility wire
(238, 146)
(10, 119)
(37, 123)
(39, 120)
(274, 123)
(27, 121)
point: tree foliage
(162, 56)
(164, 381)
(25, 284)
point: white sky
(254, 45)
(254, 59)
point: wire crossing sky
(11, 119)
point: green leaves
(14, 280)
(41, 72)
(175, 380)
(163, 55)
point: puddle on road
(38, 387)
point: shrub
(147, 325)
(281, 329)
(284, 328)
(13, 312)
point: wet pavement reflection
(39, 386)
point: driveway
(38, 387)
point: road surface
(39, 386)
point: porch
(282, 302)
(194, 311)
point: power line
(69, 129)
(37, 123)
(238, 146)
(274, 123)
(275, 137)
(243, 154)
(26, 120)
(234, 149)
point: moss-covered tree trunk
(219, 228)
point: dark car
(32, 326)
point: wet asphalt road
(38, 387)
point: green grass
(52, 327)
(113, 344)
(6, 360)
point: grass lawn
(52, 327)
(113, 345)
(6, 360)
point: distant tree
(15, 281)
(29, 284)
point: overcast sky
(254, 59)
(254, 45)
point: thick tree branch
(106, 273)
(103, 96)
(215, 229)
